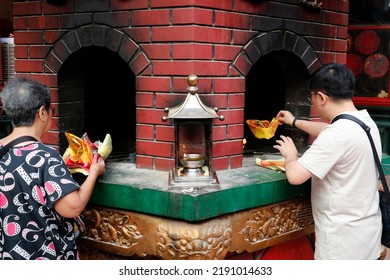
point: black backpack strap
(14, 142)
(376, 157)
(352, 118)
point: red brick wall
(166, 40)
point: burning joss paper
(79, 155)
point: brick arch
(265, 43)
(101, 36)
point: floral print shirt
(32, 178)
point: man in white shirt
(341, 166)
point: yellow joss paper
(79, 155)
(105, 148)
(275, 164)
(80, 151)
(263, 129)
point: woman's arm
(72, 204)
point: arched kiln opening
(96, 95)
(276, 81)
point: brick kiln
(114, 65)
(124, 67)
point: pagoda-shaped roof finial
(192, 107)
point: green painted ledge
(146, 191)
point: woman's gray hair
(22, 97)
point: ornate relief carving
(110, 227)
(304, 214)
(276, 220)
(115, 234)
(206, 242)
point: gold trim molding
(116, 234)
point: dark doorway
(97, 96)
(276, 81)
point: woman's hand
(98, 165)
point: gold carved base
(116, 234)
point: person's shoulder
(337, 131)
(5, 140)
(364, 116)
(48, 148)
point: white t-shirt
(344, 192)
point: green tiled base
(125, 187)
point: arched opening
(276, 81)
(97, 96)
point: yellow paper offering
(79, 151)
(79, 155)
(263, 129)
(105, 148)
(275, 164)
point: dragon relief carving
(111, 227)
(277, 220)
(193, 245)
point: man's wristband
(293, 123)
